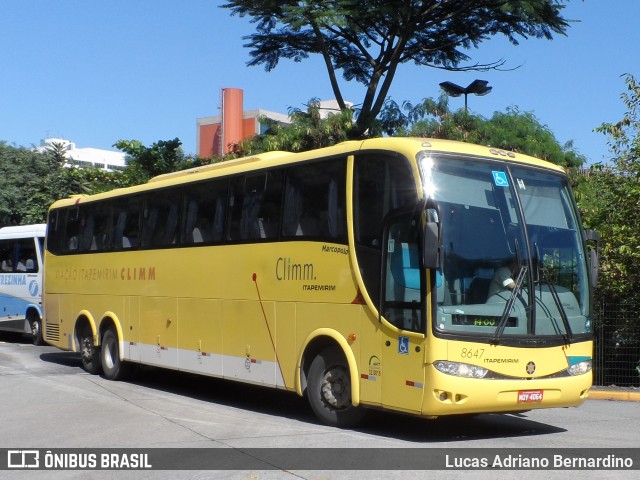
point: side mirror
(593, 242)
(432, 239)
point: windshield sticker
(521, 184)
(500, 179)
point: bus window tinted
(314, 201)
(161, 218)
(254, 203)
(126, 225)
(205, 207)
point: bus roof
(23, 231)
(408, 146)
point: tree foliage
(30, 181)
(609, 198)
(143, 163)
(367, 40)
(511, 130)
(307, 130)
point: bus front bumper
(450, 395)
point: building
(218, 135)
(86, 157)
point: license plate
(530, 396)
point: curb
(613, 395)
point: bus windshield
(513, 263)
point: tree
(511, 130)
(16, 176)
(369, 39)
(609, 199)
(31, 181)
(143, 163)
(307, 130)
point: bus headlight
(460, 369)
(580, 368)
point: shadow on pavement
(286, 404)
(67, 359)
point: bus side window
(314, 201)
(293, 206)
(94, 227)
(7, 253)
(271, 206)
(402, 298)
(72, 230)
(25, 254)
(126, 232)
(255, 203)
(383, 183)
(53, 232)
(86, 232)
(171, 225)
(204, 215)
(236, 202)
(192, 230)
(160, 219)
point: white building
(86, 157)
(331, 107)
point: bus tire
(329, 390)
(112, 367)
(36, 331)
(89, 354)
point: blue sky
(95, 72)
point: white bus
(21, 263)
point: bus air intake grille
(53, 332)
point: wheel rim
(35, 328)
(336, 388)
(108, 355)
(87, 350)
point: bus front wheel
(89, 354)
(329, 389)
(112, 367)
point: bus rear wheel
(112, 367)
(329, 390)
(36, 331)
(89, 354)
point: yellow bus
(423, 276)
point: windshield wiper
(543, 277)
(507, 309)
(559, 306)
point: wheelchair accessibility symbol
(500, 179)
(403, 345)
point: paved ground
(49, 402)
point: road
(49, 402)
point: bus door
(402, 306)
